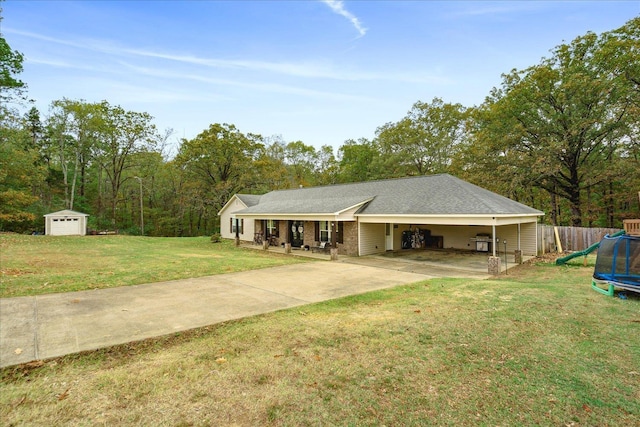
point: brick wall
(309, 234)
(350, 239)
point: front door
(296, 234)
(388, 236)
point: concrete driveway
(430, 264)
(46, 326)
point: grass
(35, 265)
(536, 347)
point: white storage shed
(65, 223)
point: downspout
(358, 233)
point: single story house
(65, 223)
(437, 211)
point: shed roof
(441, 194)
(66, 212)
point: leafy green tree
(360, 161)
(327, 166)
(122, 134)
(559, 125)
(20, 174)
(426, 140)
(301, 160)
(72, 137)
(218, 163)
(10, 66)
(19, 169)
(271, 170)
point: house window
(233, 225)
(272, 227)
(325, 231)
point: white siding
(528, 239)
(225, 222)
(372, 239)
(459, 236)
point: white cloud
(337, 6)
(304, 69)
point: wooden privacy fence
(571, 238)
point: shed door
(65, 226)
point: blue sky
(320, 72)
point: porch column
(287, 243)
(265, 242)
(334, 241)
(237, 232)
(493, 263)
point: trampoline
(617, 264)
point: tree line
(560, 136)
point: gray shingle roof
(424, 195)
(249, 199)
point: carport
(491, 234)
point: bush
(216, 238)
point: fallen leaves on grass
(64, 394)
(14, 272)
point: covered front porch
(430, 262)
(295, 251)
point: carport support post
(494, 265)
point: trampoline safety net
(618, 260)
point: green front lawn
(34, 265)
(536, 347)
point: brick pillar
(334, 254)
(494, 265)
(287, 248)
(518, 254)
(237, 241)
